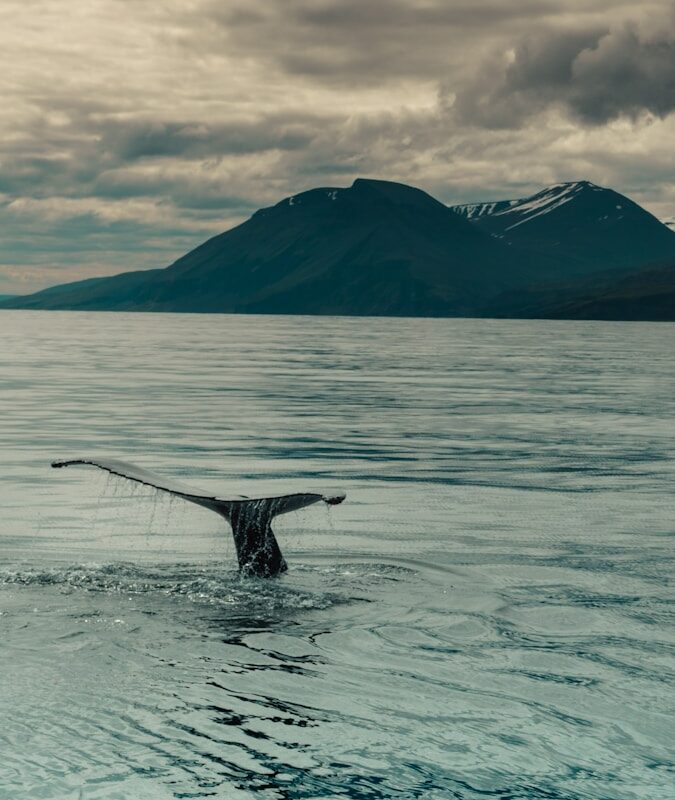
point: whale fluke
(258, 551)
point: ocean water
(488, 615)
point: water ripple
(488, 616)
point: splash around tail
(258, 551)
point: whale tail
(250, 518)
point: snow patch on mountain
(525, 209)
(542, 203)
(473, 211)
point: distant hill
(382, 248)
(647, 293)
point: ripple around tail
(208, 585)
(195, 584)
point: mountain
(382, 248)
(374, 248)
(591, 228)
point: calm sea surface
(489, 615)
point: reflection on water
(487, 616)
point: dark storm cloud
(94, 153)
(155, 138)
(596, 76)
(625, 75)
(340, 41)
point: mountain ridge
(384, 248)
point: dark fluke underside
(258, 551)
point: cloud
(144, 138)
(594, 76)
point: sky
(132, 130)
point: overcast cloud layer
(131, 131)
